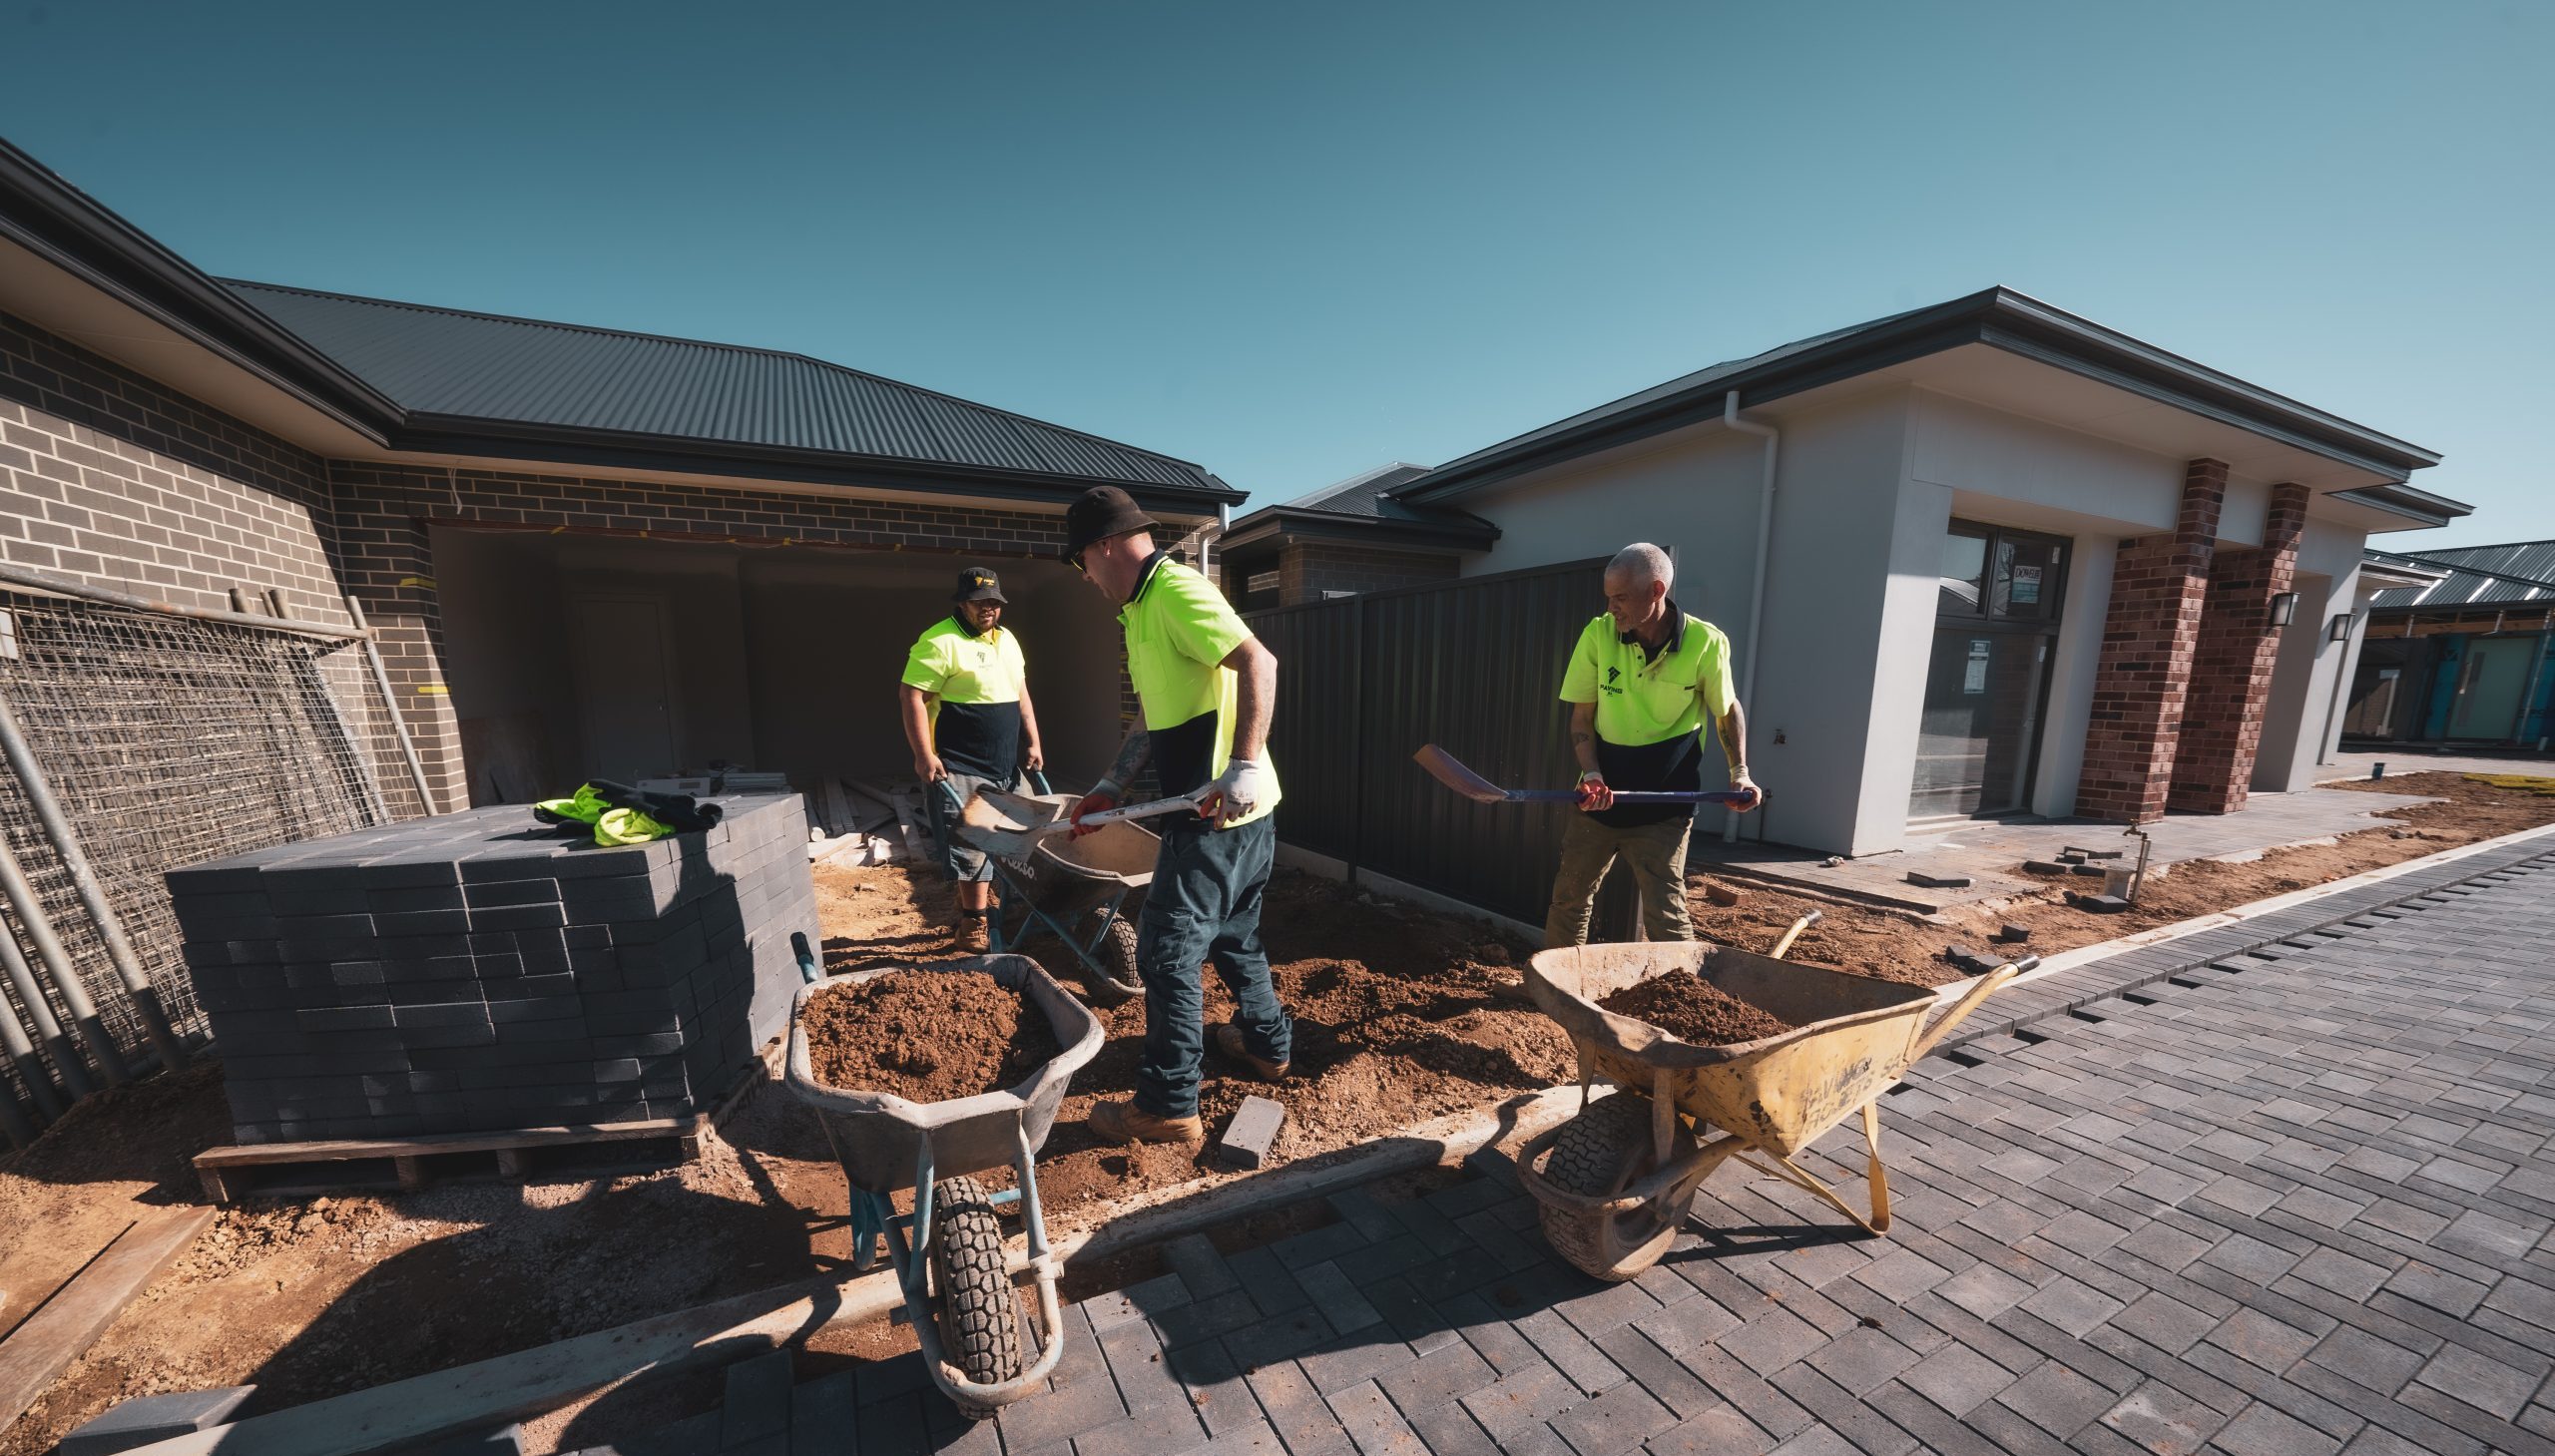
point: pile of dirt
(1695, 1011)
(927, 1036)
(1896, 945)
(1396, 1018)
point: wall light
(2284, 607)
(2340, 629)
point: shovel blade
(1450, 770)
(1005, 825)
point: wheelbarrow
(948, 1252)
(1622, 1174)
(1072, 889)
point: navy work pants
(1203, 907)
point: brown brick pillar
(2140, 683)
(2231, 670)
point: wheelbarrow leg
(1801, 1178)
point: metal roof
(2477, 575)
(1999, 317)
(1364, 504)
(451, 365)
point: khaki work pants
(1655, 853)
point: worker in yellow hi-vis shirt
(1208, 689)
(1642, 681)
(968, 718)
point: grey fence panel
(1473, 665)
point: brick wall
(1308, 568)
(2232, 664)
(106, 476)
(2143, 677)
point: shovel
(1450, 770)
(996, 833)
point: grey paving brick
(1296, 1411)
(2265, 1431)
(1364, 1355)
(1154, 1296)
(2057, 1399)
(1720, 1431)
(1570, 1351)
(1772, 1341)
(1984, 1291)
(2158, 1418)
(1440, 1378)
(1657, 1371)
(2071, 1305)
(1513, 1403)
(1337, 1296)
(1614, 1422)
(2487, 1384)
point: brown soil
(1395, 1020)
(926, 1037)
(1395, 1023)
(1900, 946)
(1693, 1010)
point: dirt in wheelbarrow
(927, 1036)
(1695, 1011)
(1900, 946)
(1395, 1023)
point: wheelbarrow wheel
(1116, 956)
(1599, 1154)
(980, 1314)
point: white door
(625, 685)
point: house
(1982, 558)
(1349, 537)
(587, 552)
(2460, 648)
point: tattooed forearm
(1732, 729)
(1583, 735)
(1131, 756)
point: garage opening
(579, 657)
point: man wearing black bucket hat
(1207, 689)
(968, 718)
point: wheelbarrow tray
(878, 1136)
(1852, 1037)
(1066, 875)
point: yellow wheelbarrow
(1616, 1181)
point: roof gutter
(64, 226)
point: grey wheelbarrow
(1074, 889)
(948, 1252)
(1615, 1182)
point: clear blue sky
(1290, 241)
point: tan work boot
(970, 935)
(1229, 1041)
(1124, 1122)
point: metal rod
(93, 898)
(15, 1042)
(59, 584)
(390, 703)
(48, 1029)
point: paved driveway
(2297, 1206)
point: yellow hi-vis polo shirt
(1649, 709)
(975, 683)
(1180, 629)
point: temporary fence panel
(1473, 665)
(172, 739)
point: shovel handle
(1155, 809)
(1624, 795)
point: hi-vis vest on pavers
(1180, 629)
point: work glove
(1102, 798)
(1234, 793)
(1594, 795)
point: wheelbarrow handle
(1959, 1011)
(1037, 780)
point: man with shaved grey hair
(1643, 681)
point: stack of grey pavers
(480, 972)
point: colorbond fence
(1472, 665)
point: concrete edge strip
(2101, 972)
(531, 1382)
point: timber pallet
(405, 1165)
(409, 1164)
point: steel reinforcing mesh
(170, 741)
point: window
(1261, 581)
(1964, 563)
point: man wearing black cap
(1207, 689)
(969, 719)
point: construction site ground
(1397, 1022)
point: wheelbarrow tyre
(1116, 954)
(980, 1314)
(1599, 1154)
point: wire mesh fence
(170, 741)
